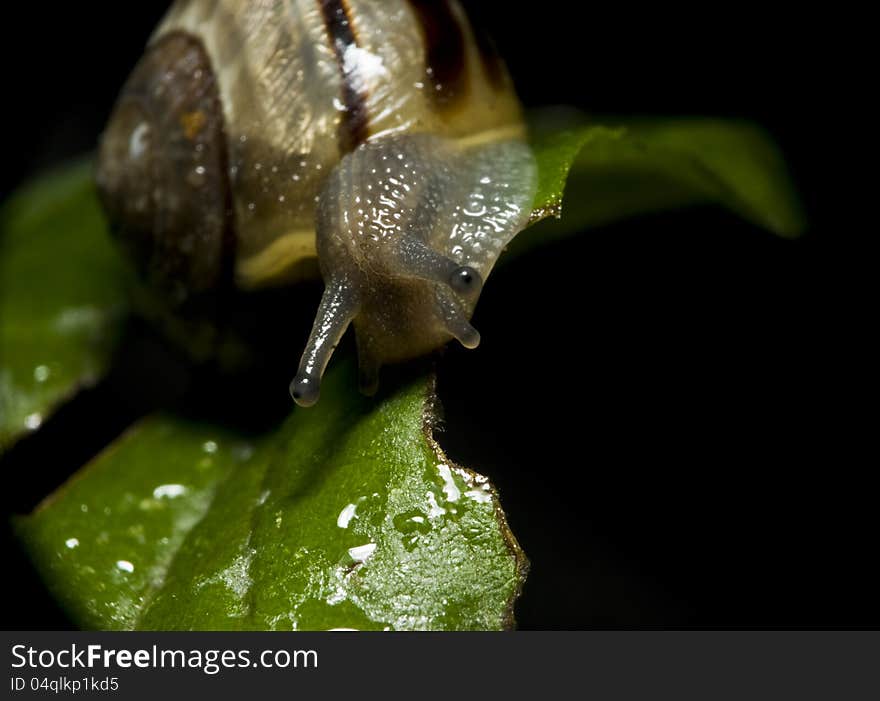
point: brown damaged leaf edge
(430, 423)
(557, 152)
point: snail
(378, 142)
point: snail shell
(380, 142)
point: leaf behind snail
(622, 167)
(62, 297)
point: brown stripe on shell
(353, 129)
(444, 50)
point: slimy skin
(408, 229)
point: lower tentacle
(455, 320)
(338, 307)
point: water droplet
(71, 543)
(362, 552)
(41, 373)
(479, 495)
(450, 489)
(209, 446)
(195, 178)
(33, 421)
(346, 515)
(412, 522)
(138, 141)
(125, 565)
(169, 491)
(434, 509)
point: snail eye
(465, 280)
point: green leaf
(646, 165)
(347, 516)
(61, 297)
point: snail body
(259, 142)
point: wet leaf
(347, 516)
(61, 297)
(635, 166)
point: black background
(691, 455)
